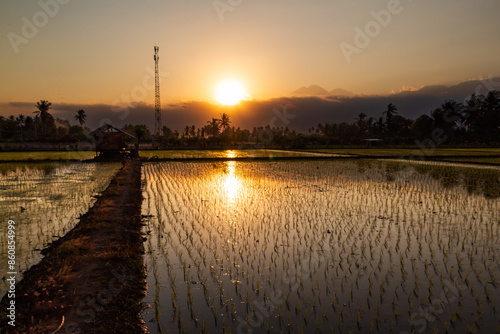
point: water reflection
(230, 154)
(235, 229)
(230, 182)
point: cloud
(306, 111)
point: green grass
(491, 161)
(467, 153)
(408, 151)
(183, 154)
(47, 155)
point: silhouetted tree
(224, 121)
(391, 111)
(361, 123)
(81, 117)
(141, 132)
(44, 118)
(422, 127)
(20, 123)
(214, 126)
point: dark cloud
(298, 113)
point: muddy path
(92, 280)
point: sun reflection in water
(230, 182)
(230, 154)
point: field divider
(92, 280)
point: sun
(230, 92)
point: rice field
(489, 161)
(207, 154)
(47, 155)
(426, 151)
(45, 200)
(321, 246)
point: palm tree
(80, 116)
(214, 126)
(391, 111)
(224, 121)
(43, 107)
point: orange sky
(102, 52)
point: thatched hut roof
(108, 129)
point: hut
(109, 140)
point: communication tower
(157, 94)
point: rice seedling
(325, 239)
(45, 200)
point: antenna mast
(157, 95)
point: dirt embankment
(93, 279)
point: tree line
(42, 126)
(474, 122)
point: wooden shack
(110, 140)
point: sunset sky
(100, 52)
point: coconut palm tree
(214, 126)
(391, 111)
(42, 114)
(80, 116)
(43, 106)
(224, 121)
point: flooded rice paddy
(45, 200)
(321, 246)
(229, 154)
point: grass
(467, 154)
(87, 263)
(471, 159)
(45, 200)
(47, 155)
(409, 151)
(198, 154)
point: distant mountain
(340, 92)
(313, 90)
(460, 91)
